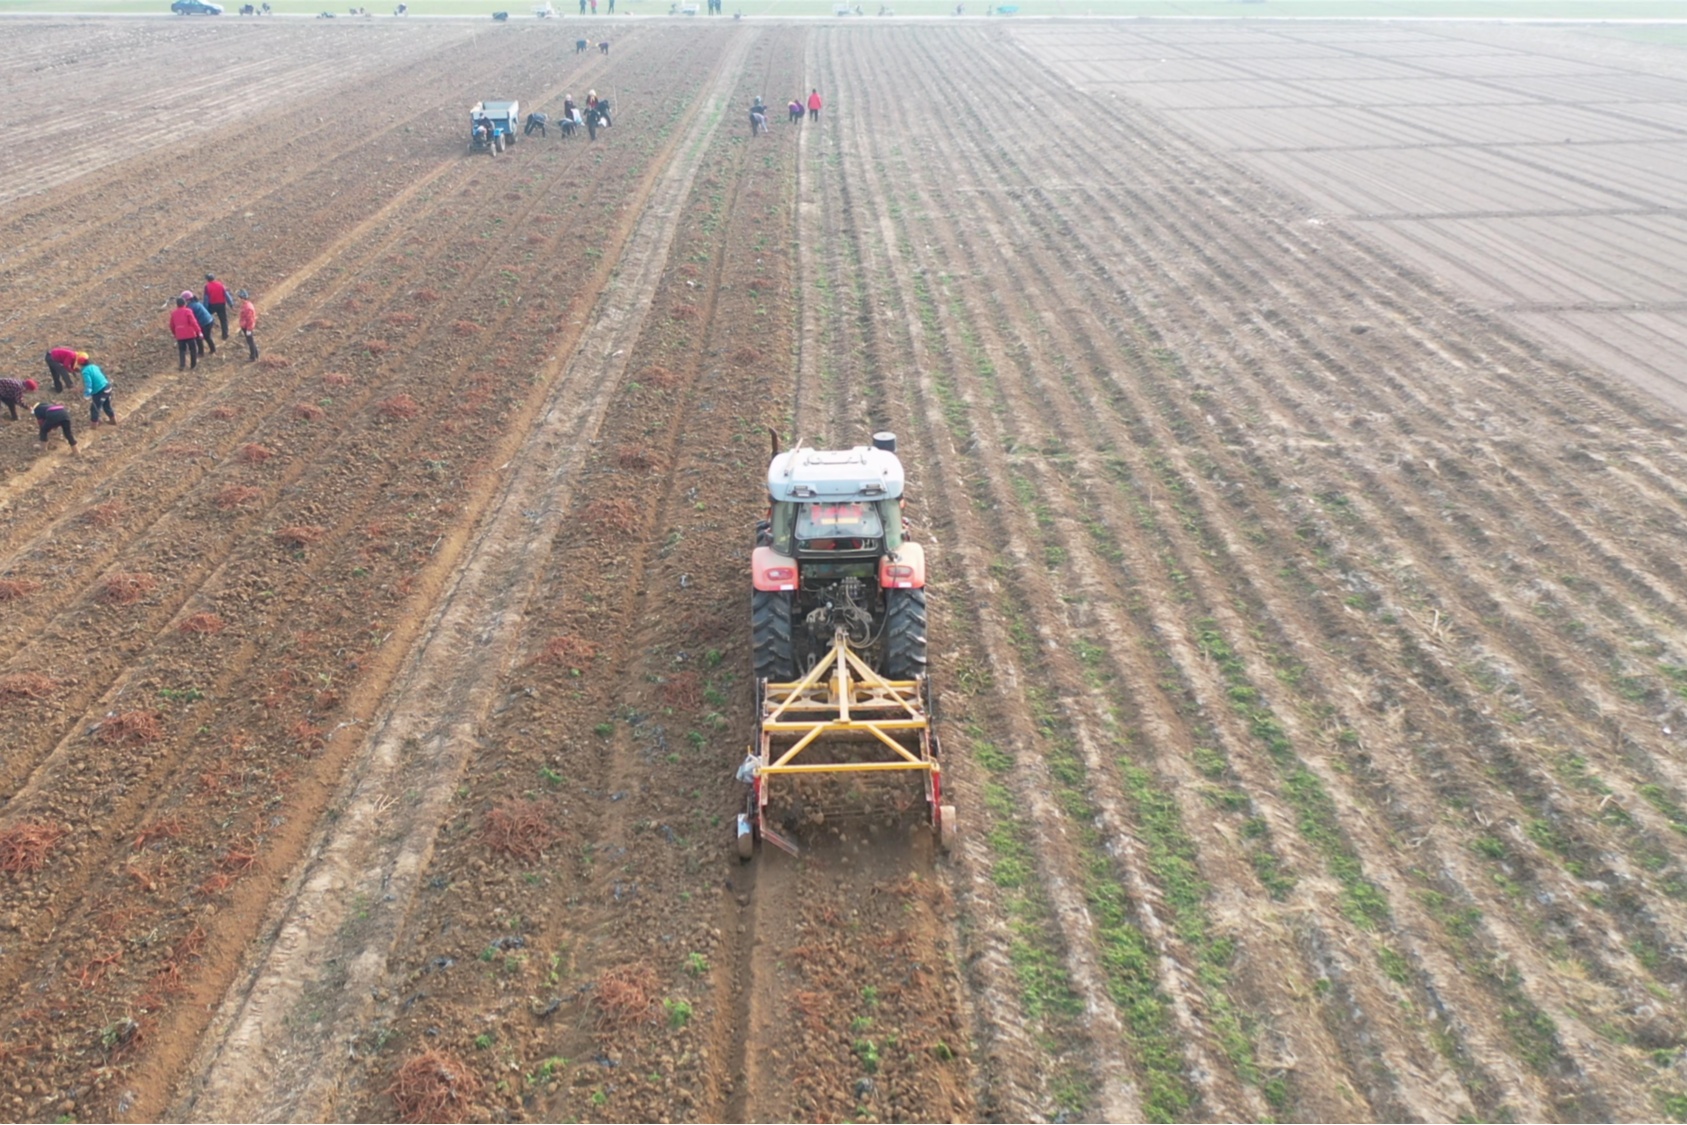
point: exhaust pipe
(885, 440)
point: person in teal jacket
(203, 315)
(96, 388)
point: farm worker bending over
(12, 392)
(61, 362)
(205, 319)
(184, 326)
(814, 104)
(794, 111)
(249, 324)
(216, 299)
(758, 117)
(54, 416)
(96, 388)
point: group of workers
(64, 365)
(596, 117)
(794, 110)
(192, 322)
(193, 318)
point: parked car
(196, 8)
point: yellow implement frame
(845, 718)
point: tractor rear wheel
(905, 634)
(771, 635)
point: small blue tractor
(493, 125)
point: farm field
(1291, 419)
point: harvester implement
(842, 741)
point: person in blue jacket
(96, 388)
(202, 314)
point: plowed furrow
(1034, 287)
(1527, 648)
(1043, 306)
(1022, 414)
(1530, 650)
(1021, 974)
(433, 394)
(316, 138)
(268, 1001)
(52, 545)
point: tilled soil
(1310, 649)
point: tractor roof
(862, 473)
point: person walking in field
(184, 326)
(96, 388)
(52, 416)
(216, 299)
(205, 319)
(12, 392)
(249, 324)
(814, 104)
(597, 113)
(62, 363)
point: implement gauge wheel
(946, 830)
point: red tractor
(838, 632)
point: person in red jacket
(249, 324)
(216, 299)
(62, 363)
(185, 327)
(814, 104)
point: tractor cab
(836, 510)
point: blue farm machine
(493, 126)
